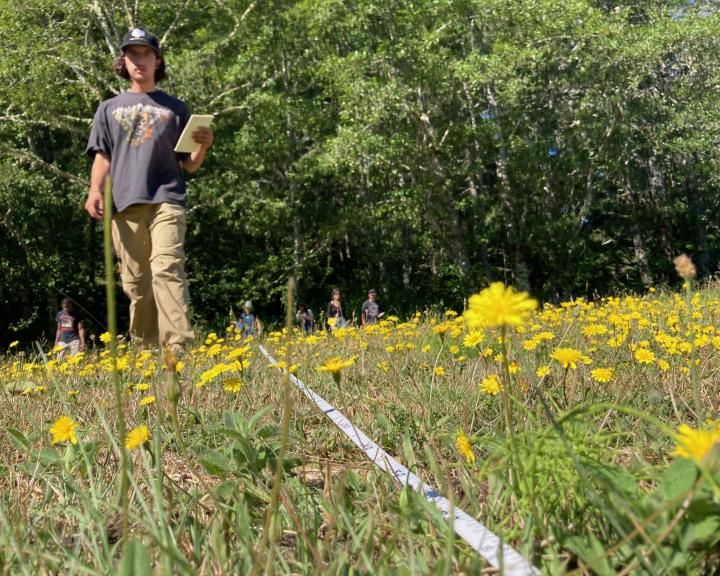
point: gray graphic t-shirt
(138, 131)
(372, 309)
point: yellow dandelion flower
(233, 385)
(603, 374)
(142, 387)
(439, 371)
(147, 400)
(664, 365)
(214, 350)
(137, 437)
(105, 337)
(568, 357)
(63, 430)
(441, 329)
(499, 305)
(695, 444)
(644, 356)
(473, 339)
(531, 344)
(594, 330)
(464, 446)
(491, 385)
(13, 344)
(335, 366)
(542, 371)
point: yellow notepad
(186, 142)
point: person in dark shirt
(335, 312)
(70, 333)
(370, 311)
(132, 142)
(305, 317)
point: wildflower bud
(173, 388)
(170, 360)
(684, 267)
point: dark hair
(121, 70)
(335, 291)
(66, 302)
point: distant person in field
(335, 311)
(70, 332)
(249, 324)
(132, 140)
(371, 312)
(305, 317)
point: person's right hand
(95, 204)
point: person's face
(141, 63)
(336, 295)
(372, 296)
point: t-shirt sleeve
(99, 140)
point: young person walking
(371, 311)
(132, 140)
(70, 332)
(335, 311)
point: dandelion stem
(693, 353)
(112, 328)
(272, 517)
(173, 395)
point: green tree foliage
(422, 147)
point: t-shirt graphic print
(139, 121)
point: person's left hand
(203, 136)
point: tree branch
(36, 160)
(107, 27)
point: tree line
(422, 147)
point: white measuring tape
(499, 555)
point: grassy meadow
(587, 435)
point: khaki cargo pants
(148, 240)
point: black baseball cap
(139, 37)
